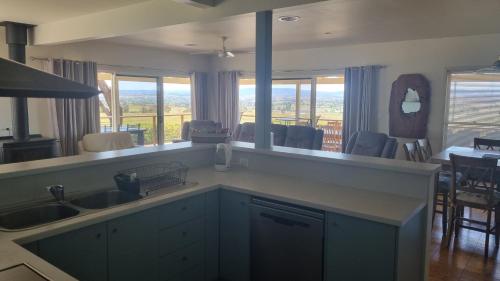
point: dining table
(443, 157)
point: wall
(431, 57)
(126, 59)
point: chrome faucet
(57, 191)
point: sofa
(290, 136)
(99, 142)
(372, 144)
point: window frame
(448, 73)
(160, 103)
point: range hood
(20, 80)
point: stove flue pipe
(17, 39)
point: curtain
(228, 99)
(359, 91)
(199, 98)
(74, 118)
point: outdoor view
(473, 109)
(287, 111)
(137, 98)
(329, 100)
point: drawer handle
(114, 230)
(98, 236)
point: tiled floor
(464, 260)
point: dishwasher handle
(284, 221)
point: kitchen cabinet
(80, 253)
(358, 249)
(182, 239)
(133, 247)
(212, 213)
(234, 236)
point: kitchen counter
(376, 206)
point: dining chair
(486, 144)
(424, 148)
(443, 184)
(476, 189)
(411, 151)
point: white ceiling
(42, 11)
(334, 22)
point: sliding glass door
(177, 105)
(138, 102)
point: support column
(263, 79)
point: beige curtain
(228, 99)
(199, 97)
(74, 118)
(359, 91)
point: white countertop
(71, 162)
(376, 206)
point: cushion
(476, 198)
(444, 181)
(107, 141)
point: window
(296, 102)
(177, 105)
(137, 103)
(137, 97)
(473, 110)
(247, 100)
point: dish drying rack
(148, 178)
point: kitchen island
(374, 211)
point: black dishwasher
(286, 242)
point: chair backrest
(372, 144)
(477, 175)
(486, 144)
(300, 137)
(304, 137)
(107, 141)
(424, 149)
(279, 133)
(411, 151)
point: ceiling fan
(224, 52)
(493, 69)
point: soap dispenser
(223, 157)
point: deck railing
(149, 124)
(332, 128)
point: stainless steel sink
(37, 215)
(105, 199)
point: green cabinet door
(234, 236)
(212, 235)
(80, 253)
(133, 247)
(358, 249)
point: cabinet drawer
(181, 261)
(192, 274)
(181, 211)
(177, 237)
